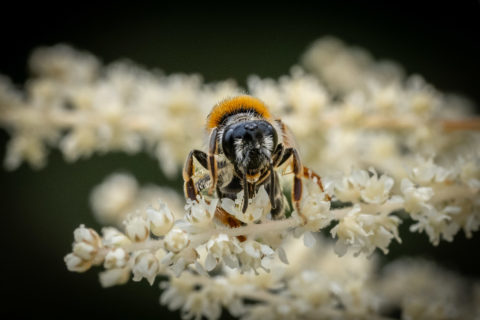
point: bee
(247, 145)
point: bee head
(249, 145)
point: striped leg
(310, 174)
(190, 190)
(300, 172)
(212, 163)
(297, 183)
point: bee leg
(276, 157)
(212, 163)
(310, 174)
(272, 186)
(297, 183)
(286, 156)
(245, 193)
(278, 210)
(291, 153)
(189, 170)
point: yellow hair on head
(234, 105)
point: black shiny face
(249, 144)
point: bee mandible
(246, 146)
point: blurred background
(40, 209)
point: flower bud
(113, 277)
(116, 258)
(377, 190)
(76, 264)
(144, 264)
(161, 221)
(87, 235)
(137, 229)
(84, 250)
(114, 238)
(200, 213)
(176, 240)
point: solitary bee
(246, 146)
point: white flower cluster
(443, 200)
(186, 251)
(383, 119)
(119, 107)
(390, 149)
(323, 286)
(124, 253)
(155, 242)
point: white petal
(266, 263)
(231, 261)
(210, 262)
(266, 250)
(309, 239)
(282, 255)
(340, 248)
(200, 269)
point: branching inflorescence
(390, 149)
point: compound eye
(273, 132)
(269, 130)
(227, 143)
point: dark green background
(40, 209)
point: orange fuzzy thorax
(235, 105)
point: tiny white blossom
(161, 220)
(316, 210)
(178, 262)
(427, 172)
(365, 231)
(87, 235)
(114, 238)
(255, 255)
(137, 228)
(176, 240)
(199, 213)
(432, 221)
(76, 264)
(115, 258)
(223, 248)
(415, 197)
(84, 250)
(377, 190)
(114, 277)
(144, 264)
(349, 189)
